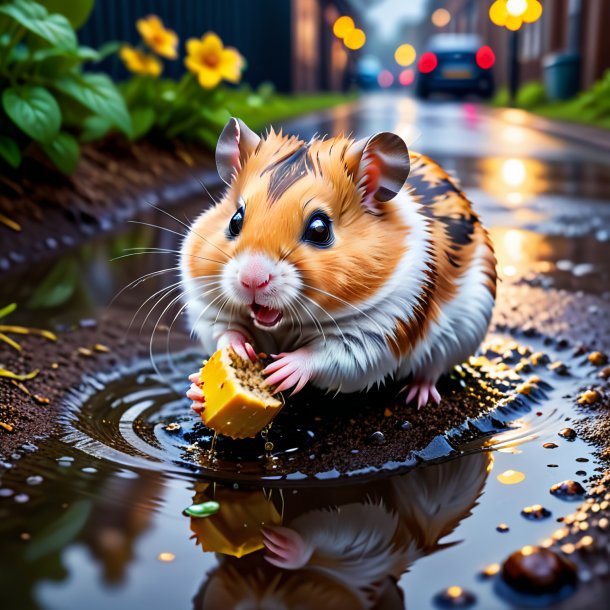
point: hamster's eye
(236, 222)
(319, 231)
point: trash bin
(561, 75)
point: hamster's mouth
(265, 316)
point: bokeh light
(405, 55)
(498, 13)
(516, 8)
(427, 62)
(343, 26)
(406, 77)
(533, 11)
(513, 23)
(513, 172)
(485, 58)
(385, 79)
(441, 17)
(355, 39)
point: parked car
(458, 64)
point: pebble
(454, 597)
(550, 445)
(502, 528)
(568, 433)
(568, 490)
(536, 512)
(590, 397)
(538, 571)
(378, 437)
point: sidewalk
(583, 134)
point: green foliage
(47, 99)
(531, 94)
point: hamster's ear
(235, 144)
(380, 166)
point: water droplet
(21, 498)
(490, 570)
(568, 433)
(550, 445)
(406, 425)
(166, 557)
(378, 438)
(454, 597)
(173, 427)
(65, 460)
(568, 490)
(510, 477)
(5, 492)
(205, 509)
(89, 470)
(581, 473)
(536, 512)
(35, 479)
(552, 465)
(538, 571)
(503, 528)
(582, 459)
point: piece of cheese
(238, 400)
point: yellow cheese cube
(238, 401)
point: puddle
(97, 515)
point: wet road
(108, 530)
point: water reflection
(343, 547)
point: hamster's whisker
(205, 189)
(147, 250)
(344, 302)
(204, 310)
(139, 280)
(297, 315)
(327, 313)
(154, 226)
(189, 229)
(316, 322)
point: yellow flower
(161, 41)
(211, 62)
(140, 63)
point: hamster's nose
(254, 277)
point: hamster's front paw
(285, 548)
(239, 343)
(195, 393)
(422, 390)
(290, 369)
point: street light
(405, 55)
(343, 26)
(440, 17)
(512, 14)
(355, 39)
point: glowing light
(406, 77)
(427, 62)
(533, 11)
(498, 13)
(514, 244)
(513, 172)
(385, 79)
(440, 17)
(514, 198)
(510, 477)
(513, 23)
(527, 550)
(454, 591)
(516, 8)
(405, 55)
(166, 557)
(485, 58)
(355, 39)
(343, 26)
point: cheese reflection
(342, 547)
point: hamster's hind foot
(423, 390)
(195, 393)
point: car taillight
(427, 62)
(485, 58)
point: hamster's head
(304, 230)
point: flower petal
(230, 65)
(211, 43)
(208, 78)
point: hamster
(350, 262)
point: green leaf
(64, 151)
(54, 29)
(108, 48)
(8, 309)
(99, 94)
(142, 119)
(10, 152)
(76, 11)
(94, 128)
(34, 110)
(57, 286)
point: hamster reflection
(335, 548)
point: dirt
(43, 212)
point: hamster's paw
(422, 390)
(285, 548)
(290, 369)
(239, 343)
(195, 393)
